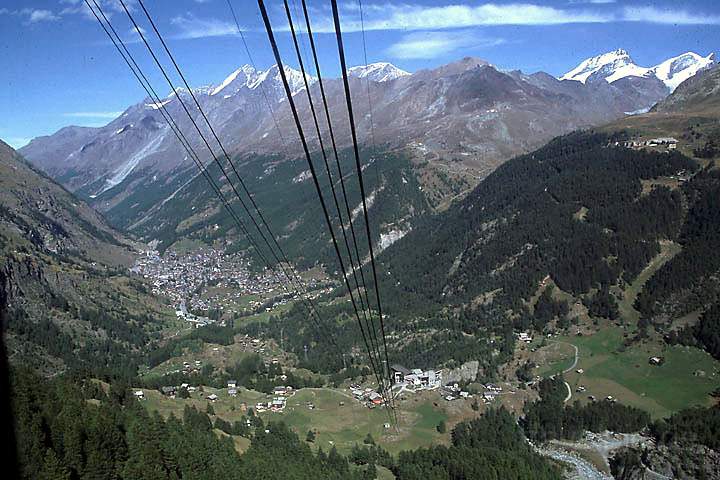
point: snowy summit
(613, 66)
(247, 77)
(377, 72)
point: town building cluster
(670, 143)
(415, 379)
(206, 279)
(367, 396)
(280, 395)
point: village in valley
(211, 280)
(425, 397)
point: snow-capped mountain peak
(243, 76)
(294, 78)
(673, 71)
(610, 66)
(377, 72)
(618, 64)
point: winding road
(570, 368)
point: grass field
(627, 300)
(553, 358)
(221, 356)
(686, 378)
(337, 418)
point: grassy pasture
(686, 378)
(337, 419)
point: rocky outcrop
(467, 372)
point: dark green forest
(548, 418)
(490, 447)
(580, 210)
(71, 428)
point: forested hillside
(284, 191)
(64, 272)
(69, 428)
(575, 210)
(582, 213)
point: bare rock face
(467, 372)
(62, 279)
(682, 461)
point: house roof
(399, 368)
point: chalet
(524, 337)
(375, 398)
(278, 404)
(656, 361)
(282, 391)
(168, 391)
(212, 397)
(399, 373)
(662, 141)
(232, 383)
(139, 394)
(232, 392)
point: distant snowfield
(125, 169)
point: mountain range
(617, 65)
(454, 123)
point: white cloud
(668, 16)
(420, 17)
(445, 17)
(32, 15)
(593, 2)
(434, 44)
(109, 7)
(190, 26)
(40, 15)
(109, 115)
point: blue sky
(59, 68)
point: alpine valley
(547, 253)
